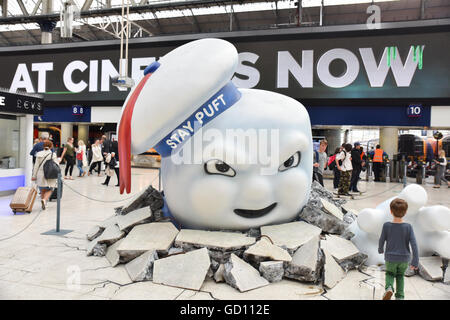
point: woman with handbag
(81, 158)
(46, 186)
(69, 155)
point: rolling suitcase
(23, 199)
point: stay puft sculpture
(231, 158)
(431, 225)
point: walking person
(115, 148)
(81, 158)
(97, 157)
(345, 168)
(398, 236)
(38, 146)
(357, 164)
(320, 162)
(46, 186)
(68, 154)
(441, 166)
(110, 167)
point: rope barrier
(16, 234)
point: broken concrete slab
(214, 240)
(148, 197)
(112, 255)
(292, 235)
(272, 271)
(109, 222)
(332, 209)
(94, 233)
(354, 262)
(242, 276)
(447, 276)
(218, 275)
(139, 216)
(141, 268)
(341, 249)
(345, 207)
(108, 237)
(333, 272)
(174, 250)
(430, 268)
(305, 264)
(146, 237)
(264, 250)
(186, 270)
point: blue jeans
(80, 167)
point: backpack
(51, 169)
(332, 162)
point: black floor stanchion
(57, 231)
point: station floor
(36, 266)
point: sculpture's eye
(216, 166)
(292, 162)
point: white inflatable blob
(431, 225)
(252, 192)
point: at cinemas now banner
(400, 66)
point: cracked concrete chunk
(333, 272)
(272, 271)
(135, 217)
(94, 233)
(112, 255)
(109, 236)
(175, 250)
(332, 209)
(265, 250)
(447, 276)
(341, 249)
(183, 270)
(218, 276)
(141, 268)
(99, 250)
(145, 237)
(109, 222)
(242, 276)
(430, 268)
(216, 240)
(292, 235)
(305, 262)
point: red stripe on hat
(125, 138)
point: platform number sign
(77, 110)
(414, 110)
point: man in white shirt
(345, 168)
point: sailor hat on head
(189, 84)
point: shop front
(16, 135)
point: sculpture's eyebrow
(292, 143)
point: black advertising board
(21, 103)
(379, 65)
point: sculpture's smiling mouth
(255, 213)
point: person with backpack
(345, 168)
(320, 161)
(45, 182)
(332, 166)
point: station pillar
(83, 133)
(389, 141)
(334, 139)
(66, 131)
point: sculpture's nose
(256, 190)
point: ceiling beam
(22, 8)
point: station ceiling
(99, 20)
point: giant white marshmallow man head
(231, 158)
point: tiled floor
(36, 266)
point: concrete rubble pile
(152, 249)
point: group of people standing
(346, 163)
(102, 150)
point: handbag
(80, 156)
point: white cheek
(212, 197)
(293, 189)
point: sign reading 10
(414, 110)
(77, 110)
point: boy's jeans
(396, 270)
